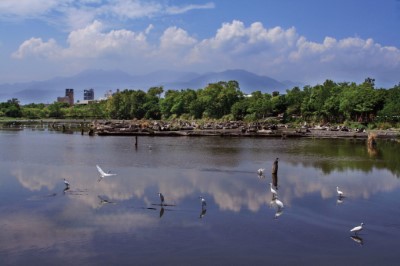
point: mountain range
(102, 81)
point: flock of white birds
(277, 203)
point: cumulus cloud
(277, 52)
(37, 47)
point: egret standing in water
(260, 172)
(339, 193)
(275, 166)
(161, 198)
(357, 229)
(274, 193)
(203, 202)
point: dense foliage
(327, 103)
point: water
(41, 224)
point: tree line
(329, 102)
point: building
(68, 98)
(88, 95)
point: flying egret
(102, 173)
(273, 190)
(340, 193)
(357, 229)
(203, 202)
(161, 198)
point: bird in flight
(102, 173)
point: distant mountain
(248, 82)
(103, 80)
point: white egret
(273, 190)
(203, 202)
(260, 171)
(161, 198)
(102, 173)
(357, 229)
(340, 193)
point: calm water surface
(43, 224)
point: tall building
(88, 95)
(68, 98)
(70, 94)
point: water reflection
(277, 205)
(339, 200)
(275, 180)
(358, 240)
(203, 212)
(229, 187)
(104, 201)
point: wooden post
(275, 166)
(136, 141)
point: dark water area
(119, 220)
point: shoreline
(180, 128)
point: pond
(120, 220)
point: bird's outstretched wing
(102, 173)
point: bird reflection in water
(65, 189)
(278, 205)
(275, 180)
(339, 200)
(104, 201)
(358, 240)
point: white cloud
(75, 14)
(127, 9)
(183, 9)
(174, 37)
(38, 48)
(277, 52)
(28, 8)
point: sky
(305, 41)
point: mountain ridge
(100, 80)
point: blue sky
(307, 41)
